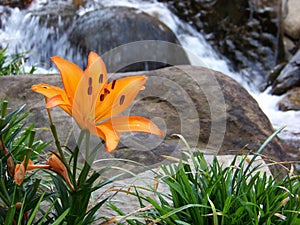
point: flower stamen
(122, 99)
(90, 88)
(113, 84)
(101, 78)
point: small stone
(291, 101)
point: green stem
(54, 133)
(3, 108)
(87, 145)
(81, 197)
(57, 142)
(86, 168)
(30, 143)
(75, 155)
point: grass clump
(211, 194)
(14, 64)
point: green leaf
(33, 214)
(11, 210)
(61, 217)
(91, 213)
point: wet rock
(104, 29)
(289, 77)
(274, 73)
(291, 9)
(50, 25)
(290, 48)
(56, 14)
(212, 111)
(247, 34)
(260, 4)
(16, 3)
(291, 101)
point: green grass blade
(33, 214)
(61, 217)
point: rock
(240, 30)
(56, 14)
(289, 77)
(261, 4)
(291, 101)
(290, 48)
(274, 73)
(103, 29)
(52, 22)
(16, 3)
(212, 111)
(291, 9)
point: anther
(106, 91)
(90, 89)
(113, 84)
(122, 99)
(90, 81)
(101, 97)
(101, 78)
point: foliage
(67, 202)
(238, 194)
(198, 193)
(17, 204)
(14, 64)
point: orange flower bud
(31, 166)
(20, 171)
(57, 166)
(19, 174)
(9, 163)
(10, 166)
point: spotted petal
(122, 92)
(92, 82)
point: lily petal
(49, 90)
(111, 137)
(110, 130)
(59, 101)
(70, 73)
(89, 87)
(133, 124)
(122, 92)
(56, 96)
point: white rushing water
(190, 39)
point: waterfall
(22, 33)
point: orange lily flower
(94, 103)
(20, 170)
(58, 167)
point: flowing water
(22, 33)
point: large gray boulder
(211, 110)
(104, 29)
